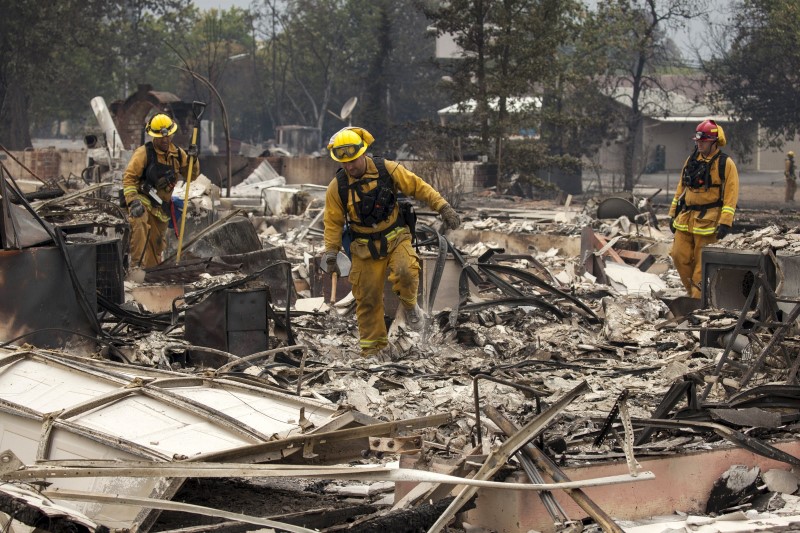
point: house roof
(514, 103)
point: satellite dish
(347, 110)
(348, 106)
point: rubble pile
(532, 328)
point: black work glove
(166, 181)
(672, 225)
(193, 151)
(136, 209)
(722, 231)
(450, 217)
(331, 264)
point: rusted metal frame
(609, 421)
(102, 373)
(736, 437)
(736, 330)
(185, 469)
(500, 455)
(670, 400)
(542, 461)
(300, 441)
(13, 357)
(428, 491)
(521, 301)
(114, 371)
(538, 282)
(259, 355)
(537, 394)
(398, 445)
(777, 337)
(152, 503)
(551, 505)
(14, 409)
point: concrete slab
(683, 483)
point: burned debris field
(561, 380)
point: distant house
(665, 138)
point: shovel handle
(333, 287)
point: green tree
(55, 58)
(34, 62)
(513, 50)
(221, 48)
(628, 37)
(758, 77)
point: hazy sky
(695, 37)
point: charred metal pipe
(542, 461)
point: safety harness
(374, 206)
(153, 171)
(697, 174)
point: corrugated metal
(61, 408)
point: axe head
(342, 261)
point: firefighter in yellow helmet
(790, 173)
(704, 204)
(147, 184)
(381, 238)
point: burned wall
(46, 163)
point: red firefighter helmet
(708, 130)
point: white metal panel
(160, 426)
(67, 445)
(266, 414)
(46, 388)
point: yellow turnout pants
(367, 276)
(685, 253)
(148, 240)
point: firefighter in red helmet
(704, 204)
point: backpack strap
(341, 182)
(721, 167)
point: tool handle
(334, 277)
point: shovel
(344, 264)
